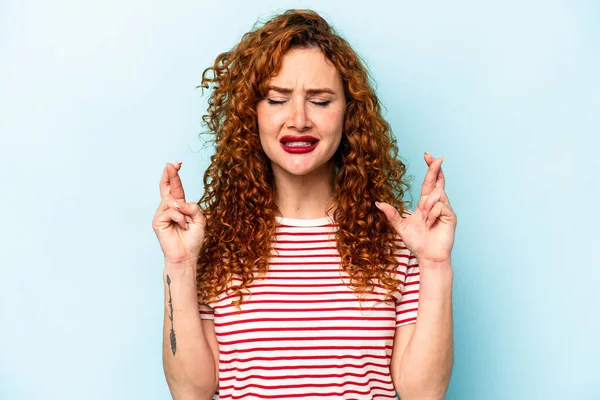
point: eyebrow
(309, 91)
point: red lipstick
(299, 144)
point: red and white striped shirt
(301, 333)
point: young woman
(300, 271)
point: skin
(296, 111)
(429, 231)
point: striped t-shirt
(302, 334)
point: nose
(299, 119)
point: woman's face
(300, 121)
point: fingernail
(442, 157)
(427, 154)
(178, 203)
(179, 162)
(377, 204)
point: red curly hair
(239, 197)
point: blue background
(97, 96)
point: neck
(306, 196)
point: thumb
(392, 215)
(192, 210)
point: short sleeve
(206, 312)
(408, 303)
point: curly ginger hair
(239, 197)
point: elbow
(182, 388)
(190, 392)
(411, 387)
(421, 394)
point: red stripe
(304, 277)
(406, 311)
(306, 348)
(304, 241)
(303, 248)
(301, 339)
(305, 394)
(308, 329)
(316, 226)
(319, 248)
(285, 233)
(299, 301)
(322, 270)
(316, 376)
(275, 256)
(407, 320)
(304, 270)
(410, 292)
(307, 319)
(408, 301)
(292, 367)
(298, 357)
(294, 285)
(303, 385)
(305, 255)
(346, 292)
(319, 263)
(307, 285)
(306, 263)
(287, 310)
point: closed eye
(317, 103)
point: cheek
(333, 122)
(260, 116)
(263, 124)
(268, 120)
(267, 129)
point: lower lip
(302, 149)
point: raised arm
(423, 355)
(190, 355)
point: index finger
(164, 183)
(175, 187)
(431, 176)
(441, 179)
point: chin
(303, 169)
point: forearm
(187, 358)
(426, 364)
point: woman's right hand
(178, 225)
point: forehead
(307, 67)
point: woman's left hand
(429, 231)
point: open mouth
(298, 141)
(299, 144)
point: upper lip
(304, 138)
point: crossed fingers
(433, 188)
(171, 188)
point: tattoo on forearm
(173, 341)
